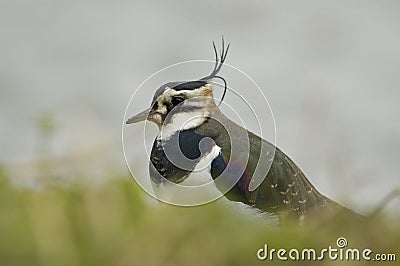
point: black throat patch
(175, 162)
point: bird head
(184, 104)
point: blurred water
(329, 70)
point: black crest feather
(219, 61)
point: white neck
(183, 121)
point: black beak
(139, 117)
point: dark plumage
(285, 189)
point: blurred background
(329, 69)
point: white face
(176, 110)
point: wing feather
(285, 187)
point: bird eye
(177, 100)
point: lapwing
(194, 134)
